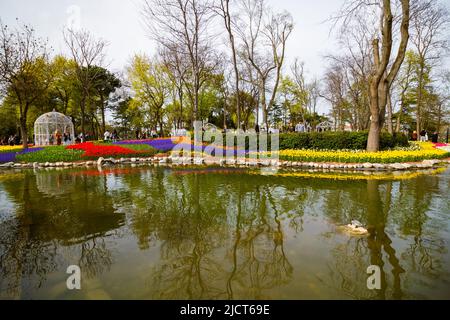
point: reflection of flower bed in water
(131, 170)
(11, 176)
(96, 172)
(359, 176)
(283, 173)
(208, 170)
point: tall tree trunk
(180, 96)
(225, 115)
(257, 109)
(389, 114)
(102, 108)
(419, 99)
(263, 104)
(381, 79)
(399, 117)
(373, 140)
(196, 97)
(24, 131)
(438, 126)
(83, 107)
(227, 18)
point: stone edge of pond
(183, 161)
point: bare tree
(87, 52)
(264, 40)
(298, 73)
(178, 70)
(385, 64)
(403, 84)
(335, 93)
(429, 21)
(25, 73)
(313, 89)
(278, 30)
(225, 13)
(182, 25)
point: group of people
(12, 140)
(423, 136)
(58, 139)
(111, 136)
(145, 134)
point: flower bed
(9, 148)
(50, 154)
(92, 150)
(165, 145)
(162, 145)
(12, 156)
(427, 151)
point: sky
(119, 22)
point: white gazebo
(325, 126)
(48, 125)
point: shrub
(338, 140)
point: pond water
(161, 233)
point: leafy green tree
(104, 84)
(152, 88)
(25, 74)
(8, 119)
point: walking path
(447, 148)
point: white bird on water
(355, 228)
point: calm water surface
(161, 233)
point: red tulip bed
(92, 150)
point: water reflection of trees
(32, 242)
(224, 236)
(221, 236)
(390, 209)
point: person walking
(106, 136)
(422, 135)
(435, 137)
(115, 136)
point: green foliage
(338, 140)
(8, 120)
(51, 154)
(152, 86)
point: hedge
(338, 140)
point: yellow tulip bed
(10, 148)
(426, 151)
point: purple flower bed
(11, 156)
(165, 145)
(29, 150)
(212, 150)
(7, 157)
(162, 145)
